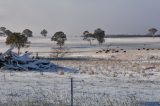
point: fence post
(71, 91)
(36, 54)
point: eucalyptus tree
(99, 34)
(44, 32)
(8, 32)
(27, 33)
(60, 38)
(88, 37)
(3, 29)
(18, 40)
(152, 31)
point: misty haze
(79, 53)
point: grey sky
(75, 16)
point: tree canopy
(60, 38)
(8, 32)
(18, 40)
(27, 33)
(44, 32)
(88, 36)
(5, 31)
(152, 31)
(99, 34)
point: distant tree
(27, 33)
(60, 38)
(88, 36)
(85, 32)
(1, 34)
(3, 29)
(8, 32)
(99, 34)
(152, 31)
(18, 40)
(44, 32)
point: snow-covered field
(101, 79)
(41, 44)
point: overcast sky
(75, 16)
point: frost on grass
(119, 79)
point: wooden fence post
(71, 91)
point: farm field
(99, 79)
(79, 53)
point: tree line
(20, 40)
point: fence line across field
(69, 89)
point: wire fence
(27, 90)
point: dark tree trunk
(18, 50)
(90, 42)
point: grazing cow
(116, 51)
(107, 50)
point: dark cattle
(107, 51)
(116, 51)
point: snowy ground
(115, 79)
(41, 44)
